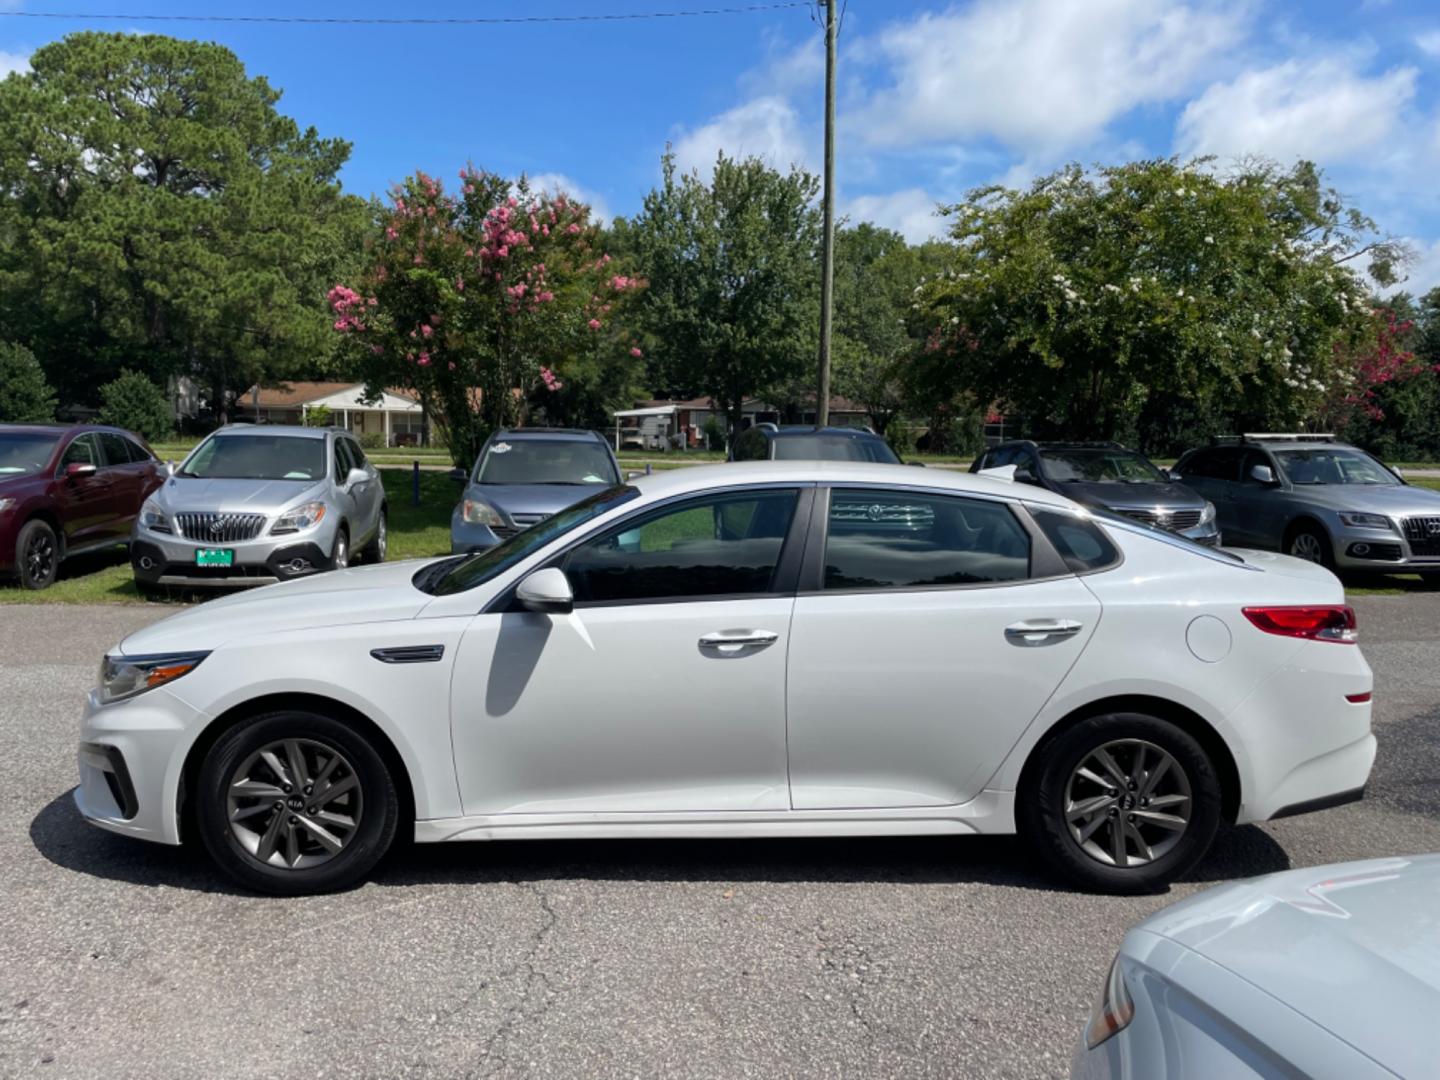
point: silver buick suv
(253, 505)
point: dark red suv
(66, 490)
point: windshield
(1329, 465)
(833, 448)
(481, 567)
(23, 452)
(257, 457)
(1100, 466)
(546, 461)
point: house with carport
(394, 416)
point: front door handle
(1040, 631)
(732, 641)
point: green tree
(319, 416)
(159, 214)
(136, 404)
(1093, 297)
(733, 278)
(25, 396)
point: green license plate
(214, 557)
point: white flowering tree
(1094, 300)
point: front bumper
(1207, 534)
(158, 559)
(466, 538)
(1384, 550)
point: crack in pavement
(516, 1014)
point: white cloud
(911, 213)
(553, 183)
(767, 127)
(1424, 273)
(1041, 75)
(1320, 108)
(1429, 43)
(11, 62)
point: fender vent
(409, 654)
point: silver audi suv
(1320, 499)
(253, 505)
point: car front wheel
(1310, 543)
(295, 802)
(1121, 803)
(379, 543)
(37, 555)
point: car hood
(512, 499)
(1355, 947)
(181, 493)
(1394, 500)
(362, 594)
(1144, 496)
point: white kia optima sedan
(758, 649)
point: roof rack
(1293, 436)
(1078, 444)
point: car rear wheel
(37, 555)
(1310, 543)
(295, 802)
(379, 543)
(1121, 803)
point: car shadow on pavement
(62, 837)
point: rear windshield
(1100, 466)
(833, 448)
(24, 452)
(257, 457)
(547, 461)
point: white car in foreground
(761, 649)
(1331, 971)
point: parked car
(524, 475)
(256, 504)
(822, 648)
(1107, 475)
(1319, 499)
(65, 491)
(768, 442)
(1331, 971)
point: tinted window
(116, 452)
(25, 452)
(257, 457)
(1080, 542)
(1333, 465)
(342, 461)
(1101, 466)
(357, 455)
(1248, 463)
(724, 545)
(751, 446)
(833, 448)
(137, 452)
(1221, 464)
(82, 451)
(546, 461)
(888, 539)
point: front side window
(25, 452)
(895, 540)
(722, 545)
(1334, 465)
(257, 457)
(81, 452)
(1099, 466)
(546, 461)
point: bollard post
(415, 483)
(647, 468)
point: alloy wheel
(1307, 546)
(40, 557)
(382, 540)
(294, 803)
(342, 552)
(1127, 803)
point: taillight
(1333, 622)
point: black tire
(37, 555)
(1313, 540)
(374, 551)
(1431, 578)
(342, 544)
(375, 806)
(1043, 799)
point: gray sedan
(1332, 971)
(255, 505)
(1317, 499)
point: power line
(494, 20)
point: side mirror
(1262, 474)
(1023, 475)
(1173, 474)
(547, 591)
(356, 476)
(631, 474)
(459, 475)
(77, 469)
(1399, 472)
(169, 468)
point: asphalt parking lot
(917, 957)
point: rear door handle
(731, 641)
(1039, 631)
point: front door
(924, 650)
(664, 690)
(85, 502)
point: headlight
(1365, 521)
(125, 676)
(302, 517)
(6, 504)
(153, 518)
(1208, 514)
(481, 513)
(1113, 1010)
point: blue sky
(935, 97)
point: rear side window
(137, 452)
(1081, 543)
(116, 452)
(903, 540)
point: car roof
(65, 429)
(701, 478)
(552, 434)
(231, 430)
(800, 431)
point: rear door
(1214, 473)
(929, 630)
(127, 484)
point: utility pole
(827, 255)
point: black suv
(1108, 476)
(767, 442)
